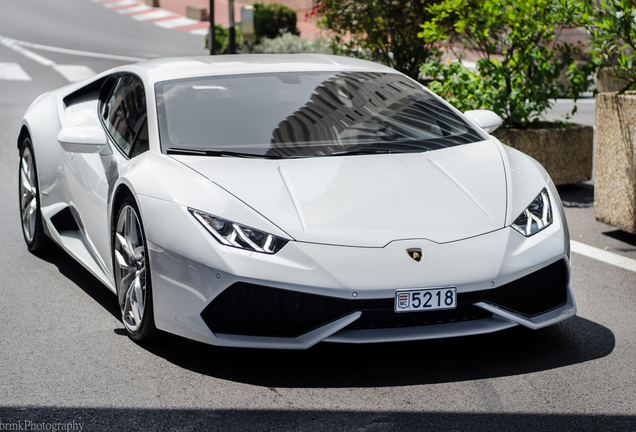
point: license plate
(425, 299)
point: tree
(522, 57)
(379, 30)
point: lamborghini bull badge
(415, 253)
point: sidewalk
(307, 29)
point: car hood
(371, 200)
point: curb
(140, 11)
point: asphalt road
(65, 358)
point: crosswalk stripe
(116, 4)
(201, 31)
(177, 22)
(159, 13)
(134, 9)
(74, 73)
(13, 72)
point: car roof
(188, 67)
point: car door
(122, 114)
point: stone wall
(566, 153)
(615, 175)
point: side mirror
(485, 119)
(87, 139)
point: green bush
(380, 30)
(222, 39)
(273, 20)
(521, 60)
(613, 28)
(459, 86)
(290, 44)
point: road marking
(159, 17)
(156, 14)
(74, 73)
(201, 31)
(603, 256)
(177, 22)
(115, 4)
(134, 9)
(578, 101)
(77, 53)
(13, 72)
(198, 26)
(12, 44)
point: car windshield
(305, 114)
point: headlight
(230, 233)
(536, 217)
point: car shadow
(81, 277)
(511, 352)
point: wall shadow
(286, 420)
(579, 195)
(623, 237)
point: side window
(124, 115)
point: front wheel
(30, 214)
(132, 273)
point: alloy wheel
(28, 195)
(130, 268)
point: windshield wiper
(217, 153)
(364, 151)
(389, 147)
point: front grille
(534, 294)
(256, 310)
(247, 309)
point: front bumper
(192, 277)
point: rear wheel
(132, 273)
(30, 214)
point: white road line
(579, 101)
(159, 13)
(74, 73)
(115, 4)
(201, 31)
(177, 22)
(77, 53)
(12, 44)
(133, 9)
(603, 256)
(13, 72)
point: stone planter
(565, 152)
(615, 175)
(610, 80)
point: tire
(132, 273)
(29, 196)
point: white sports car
(277, 201)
